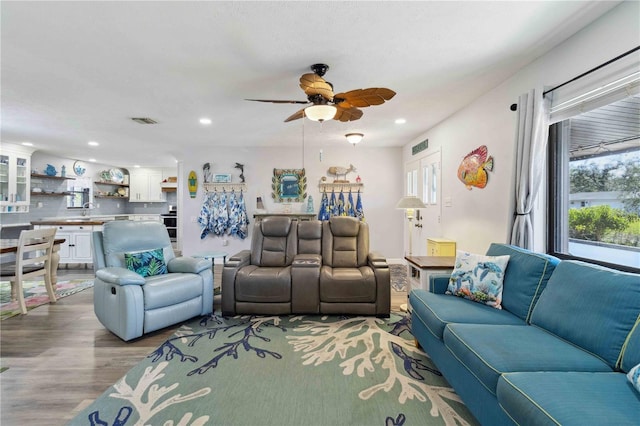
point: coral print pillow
(634, 377)
(478, 278)
(146, 263)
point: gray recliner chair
(352, 280)
(258, 281)
(127, 303)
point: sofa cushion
(568, 398)
(490, 350)
(146, 263)
(347, 285)
(478, 278)
(273, 242)
(590, 306)
(526, 276)
(310, 237)
(126, 236)
(171, 289)
(438, 310)
(263, 285)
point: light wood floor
(59, 358)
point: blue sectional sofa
(556, 353)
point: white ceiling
(78, 71)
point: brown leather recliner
(352, 280)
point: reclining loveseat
(307, 267)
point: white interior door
(431, 177)
(413, 186)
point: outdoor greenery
(618, 176)
(605, 223)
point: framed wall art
(289, 185)
(222, 178)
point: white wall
(481, 216)
(379, 169)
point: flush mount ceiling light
(93, 143)
(205, 121)
(400, 121)
(320, 112)
(354, 138)
(27, 144)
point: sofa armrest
(119, 276)
(438, 283)
(305, 284)
(229, 272)
(189, 265)
(376, 260)
(239, 259)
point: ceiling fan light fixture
(320, 112)
(354, 138)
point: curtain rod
(592, 70)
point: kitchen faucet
(85, 208)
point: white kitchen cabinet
(15, 178)
(77, 247)
(144, 186)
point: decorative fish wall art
(474, 167)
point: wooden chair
(33, 259)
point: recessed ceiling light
(137, 166)
(27, 144)
(400, 121)
(93, 160)
(205, 121)
(93, 143)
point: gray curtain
(531, 140)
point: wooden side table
(424, 267)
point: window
(594, 185)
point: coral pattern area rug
(288, 370)
(35, 294)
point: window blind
(617, 80)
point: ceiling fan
(325, 105)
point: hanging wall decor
(289, 185)
(192, 184)
(474, 167)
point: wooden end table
(424, 267)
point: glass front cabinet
(15, 174)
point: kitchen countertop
(85, 220)
(90, 221)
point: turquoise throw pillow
(478, 278)
(146, 263)
(634, 377)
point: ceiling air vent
(144, 120)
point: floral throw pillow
(478, 278)
(634, 377)
(146, 263)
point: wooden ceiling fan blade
(295, 116)
(275, 101)
(347, 114)
(313, 84)
(362, 98)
